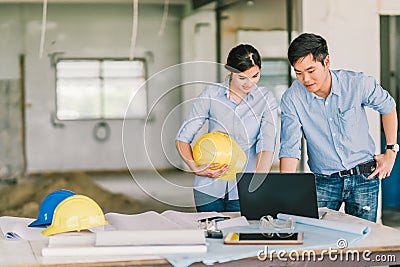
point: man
(328, 108)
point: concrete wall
(86, 30)
(11, 134)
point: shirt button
(334, 135)
(330, 119)
(326, 103)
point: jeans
(359, 194)
(206, 202)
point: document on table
(136, 234)
(16, 228)
(334, 225)
(168, 220)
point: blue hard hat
(48, 206)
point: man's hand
(384, 164)
(208, 171)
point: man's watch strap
(394, 147)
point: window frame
(101, 59)
(288, 73)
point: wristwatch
(394, 147)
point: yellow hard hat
(219, 148)
(75, 213)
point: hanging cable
(43, 31)
(134, 28)
(164, 19)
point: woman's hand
(208, 171)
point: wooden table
(382, 243)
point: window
(274, 76)
(100, 89)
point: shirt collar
(225, 85)
(335, 89)
(250, 95)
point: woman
(244, 111)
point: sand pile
(23, 199)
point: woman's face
(243, 82)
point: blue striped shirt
(252, 124)
(335, 128)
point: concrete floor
(165, 190)
(173, 190)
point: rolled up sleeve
(291, 130)
(266, 140)
(376, 97)
(195, 119)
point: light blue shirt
(252, 124)
(335, 128)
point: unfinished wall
(94, 31)
(83, 30)
(11, 131)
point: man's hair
(305, 44)
(242, 58)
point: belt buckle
(347, 174)
(372, 166)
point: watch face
(396, 147)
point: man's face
(243, 82)
(313, 75)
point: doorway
(390, 80)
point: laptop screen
(262, 194)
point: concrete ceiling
(172, 2)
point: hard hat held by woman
(219, 148)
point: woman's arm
(264, 161)
(185, 150)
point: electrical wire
(134, 28)
(43, 30)
(164, 19)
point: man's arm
(291, 134)
(385, 161)
(288, 165)
(390, 126)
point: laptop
(262, 194)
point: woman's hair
(305, 44)
(242, 58)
